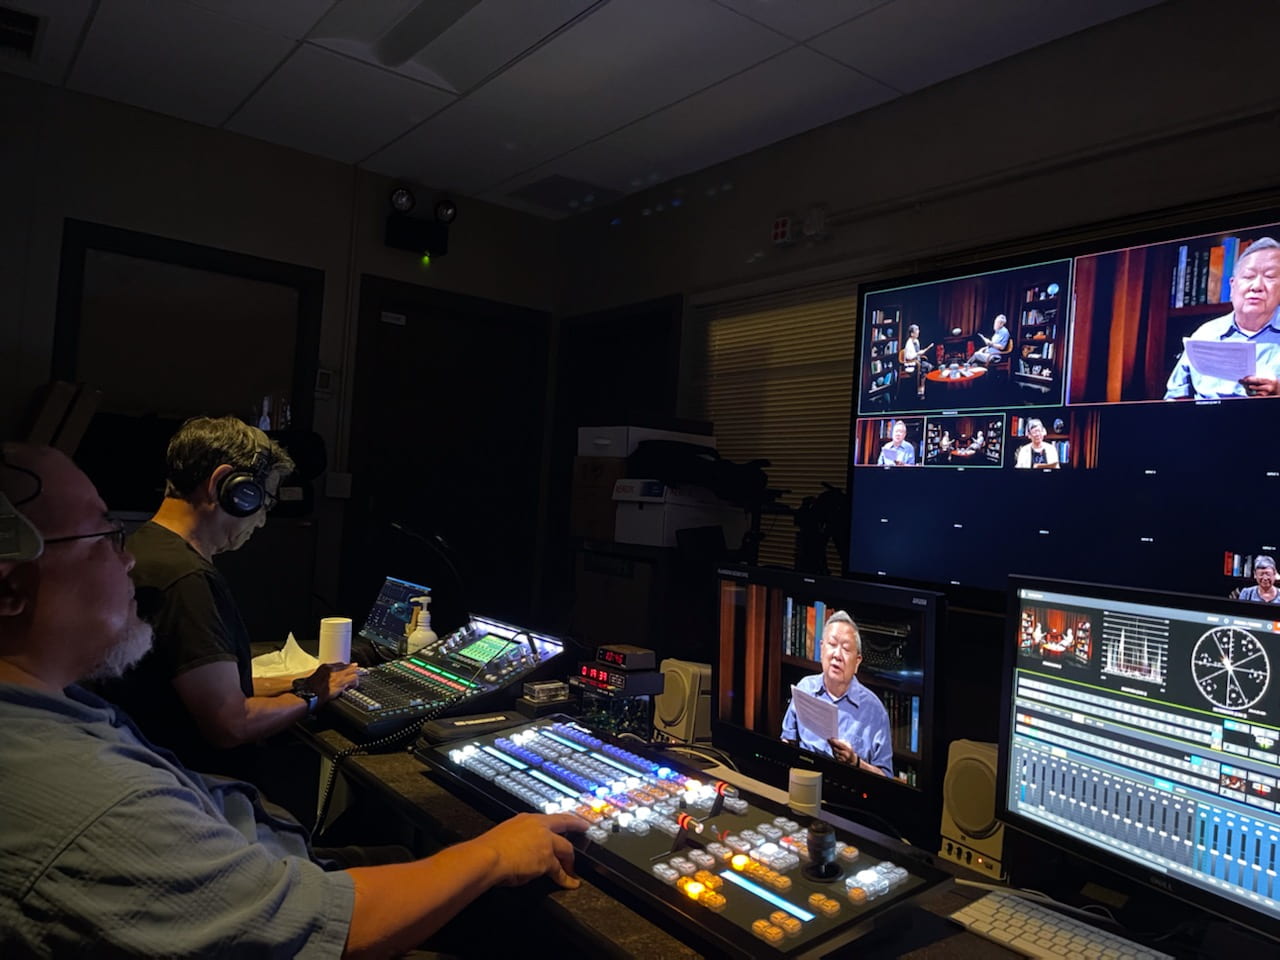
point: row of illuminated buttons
(433, 676)
(779, 925)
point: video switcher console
(735, 870)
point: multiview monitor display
(1142, 730)
(1106, 411)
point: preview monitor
(1085, 408)
(771, 627)
(1141, 729)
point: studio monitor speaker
(971, 834)
(683, 710)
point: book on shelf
(1196, 273)
(1213, 286)
(1180, 277)
(1201, 275)
(1237, 564)
(802, 628)
(1230, 250)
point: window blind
(774, 376)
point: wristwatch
(304, 692)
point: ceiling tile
(481, 42)
(911, 44)
(803, 20)
(55, 44)
(492, 35)
(175, 58)
(791, 93)
(335, 107)
(290, 18)
(626, 60)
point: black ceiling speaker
(418, 236)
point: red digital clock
(600, 676)
(627, 657)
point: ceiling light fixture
(446, 210)
(402, 200)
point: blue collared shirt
(905, 454)
(863, 723)
(1186, 382)
(1251, 593)
(112, 847)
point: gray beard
(128, 650)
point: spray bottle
(422, 635)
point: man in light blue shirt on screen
(1254, 318)
(863, 738)
(897, 452)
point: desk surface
(580, 913)
(943, 375)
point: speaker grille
(969, 791)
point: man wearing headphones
(112, 848)
(195, 691)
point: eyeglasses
(116, 533)
(269, 500)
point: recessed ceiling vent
(18, 33)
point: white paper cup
(335, 640)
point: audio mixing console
(737, 871)
(469, 668)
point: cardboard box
(622, 441)
(650, 512)
(591, 504)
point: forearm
(266, 716)
(254, 718)
(274, 686)
(399, 906)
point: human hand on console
(1256, 386)
(330, 679)
(531, 845)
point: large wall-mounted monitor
(771, 627)
(1141, 730)
(1046, 415)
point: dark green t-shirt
(197, 623)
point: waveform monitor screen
(1142, 730)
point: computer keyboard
(1035, 930)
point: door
(447, 453)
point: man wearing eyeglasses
(112, 848)
(863, 737)
(195, 692)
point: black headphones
(242, 493)
(19, 539)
